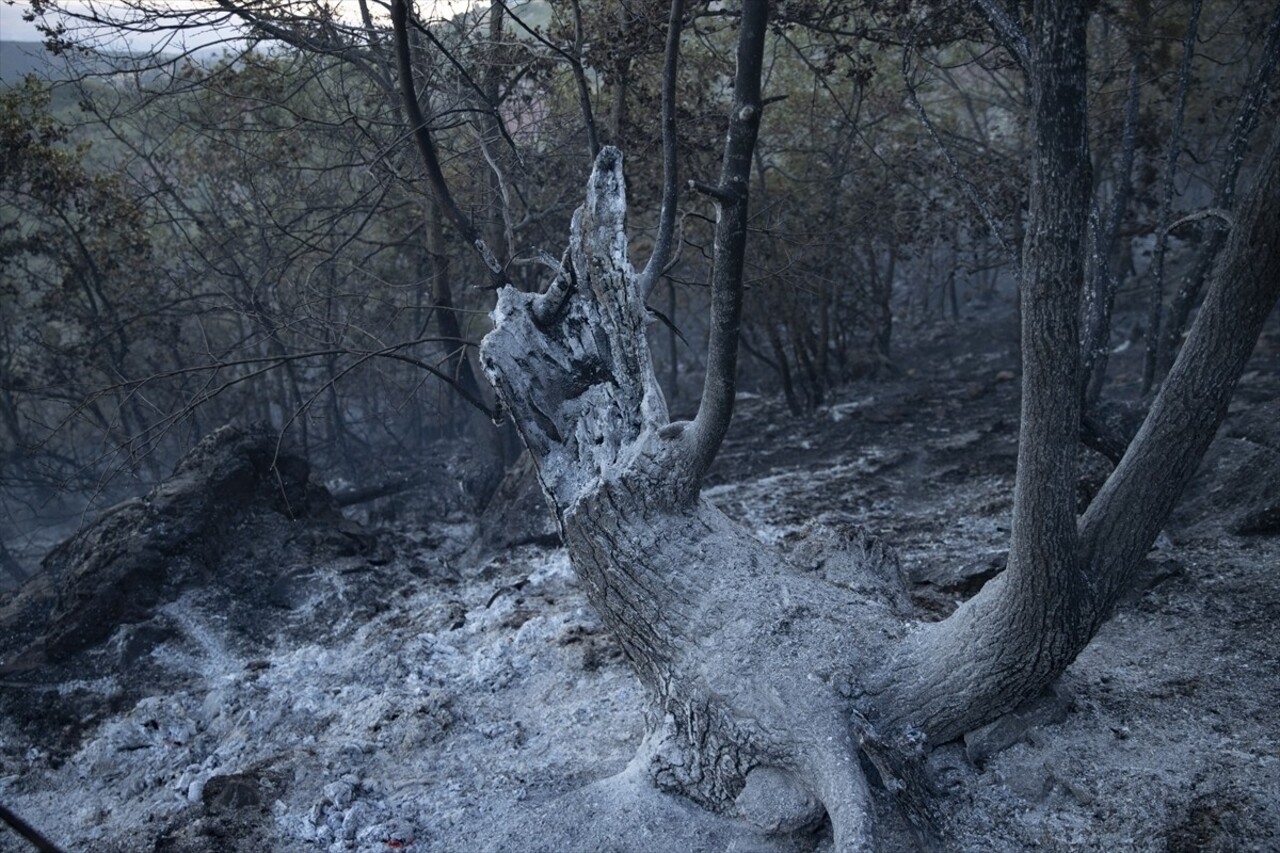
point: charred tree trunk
(1005, 644)
(718, 625)
(784, 369)
(447, 316)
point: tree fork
(1025, 627)
(766, 678)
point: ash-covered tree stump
(749, 659)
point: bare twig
(427, 146)
(662, 246)
(720, 384)
(28, 832)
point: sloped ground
(431, 705)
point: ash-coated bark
(1005, 644)
(1066, 574)
(749, 659)
(768, 672)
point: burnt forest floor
(423, 700)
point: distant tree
(74, 296)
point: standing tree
(763, 676)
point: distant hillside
(20, 58)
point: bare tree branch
(662, 246)
(580, 78)
(427, 147)
(1007, 29)
(720, 385)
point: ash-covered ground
(398, 688)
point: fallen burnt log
(146, 551)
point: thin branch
(427, 147)
(662, 246)
(1007, 29)
(1224, 215)
(715, 410)
(711, 191)
(580, 78)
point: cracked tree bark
(765, 680)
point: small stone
(1080, 794)
(1032, 782)
(340, 794)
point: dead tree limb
(427, 148)
(663, 245)
(1155, 310)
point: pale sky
(13, 28)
